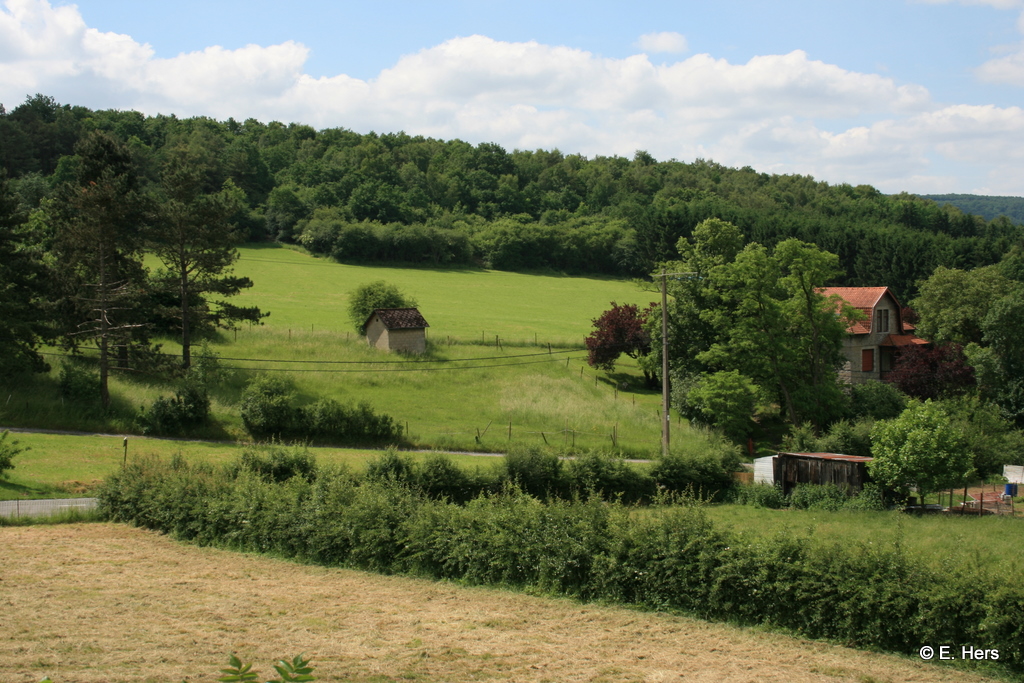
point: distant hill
(986, 206)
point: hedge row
(666, 556)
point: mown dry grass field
(106, 603)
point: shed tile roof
(400, 318)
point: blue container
(1010, 490)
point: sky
(921, 96)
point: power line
(463, 367)
(366, 362)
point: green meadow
(505, 364)
(470, 305)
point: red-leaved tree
(619, 330)
(932, 371)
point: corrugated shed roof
(832, 456)
(400, 318)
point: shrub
(391, 466)
(77, 383)
(266, 408)
(8, 449)
(609, 476)
(706, 467)
(817, 497)
(328, 420)
(188, 408)
(852, 438)
(877, 400)
(536, 472)
(277, 463)
(869, 498)
(760, 495)
(440, 477)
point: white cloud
(778, 113)
(1008, 69)
(665, 41)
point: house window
(867, 360)
(883, 320)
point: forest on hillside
(393, 197)
(986, 206)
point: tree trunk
(186, 341)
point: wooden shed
(848, 472)
(397, 329)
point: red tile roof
(864, 299)
(858, 297)
(400, 318)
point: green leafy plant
(294, 671)
(8, 449)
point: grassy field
(533, 386)
(58, 466)
(108, 603)
(986, 543)
(303, 292)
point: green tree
(953, 303)
(371, 296)
(698, 306)
(725, 400)
(777, 328)
(922, 448)
(98, 244)
(23, 283)
(195, 240)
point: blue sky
(922, 96)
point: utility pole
(666, 418)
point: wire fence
(44, 508)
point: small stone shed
(397, 329)
(845, 471)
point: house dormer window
(883, 320)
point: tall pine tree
(99, 220)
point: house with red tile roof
(397, 329)
(873, 341)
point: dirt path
(106, 603)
